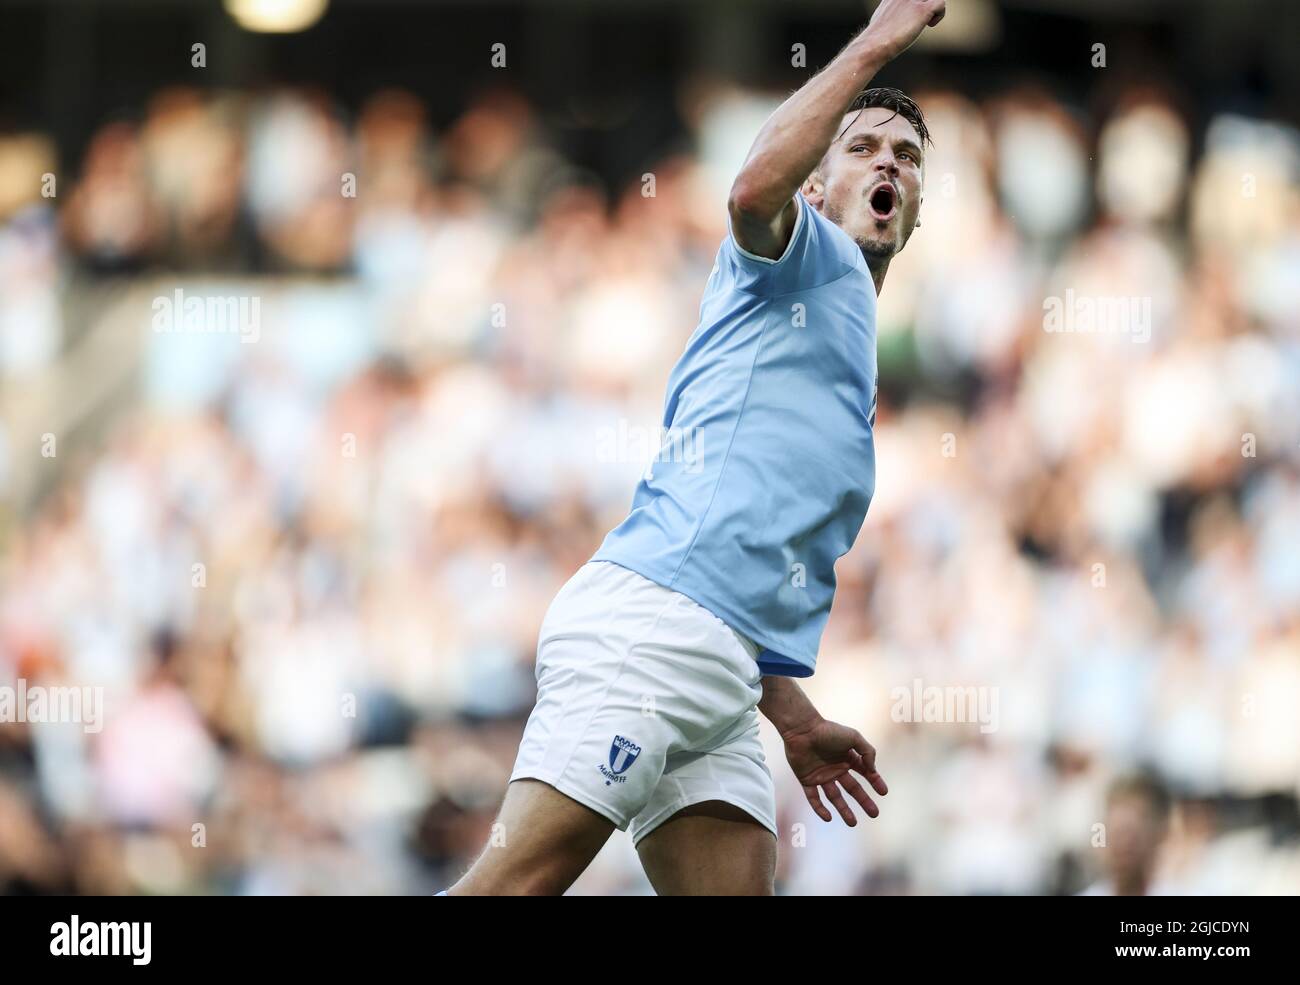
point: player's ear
(814, 190)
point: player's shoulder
(817, 253)
(830, 237)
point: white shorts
(646, 703)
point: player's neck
(878, 266)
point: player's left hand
(822, 756)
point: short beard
(876, 250)
(872, 250)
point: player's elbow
(747, 202)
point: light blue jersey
(769, 463)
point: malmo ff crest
(622, 754)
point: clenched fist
(897, 23)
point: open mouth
(883, 202)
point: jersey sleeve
(818, 253)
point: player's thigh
(541, 843)
(710, 827)
(710, 849)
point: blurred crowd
(308, 570)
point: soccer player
(707, 603)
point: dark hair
(902, 104)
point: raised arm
(796, 137)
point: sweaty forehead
(880, 121)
